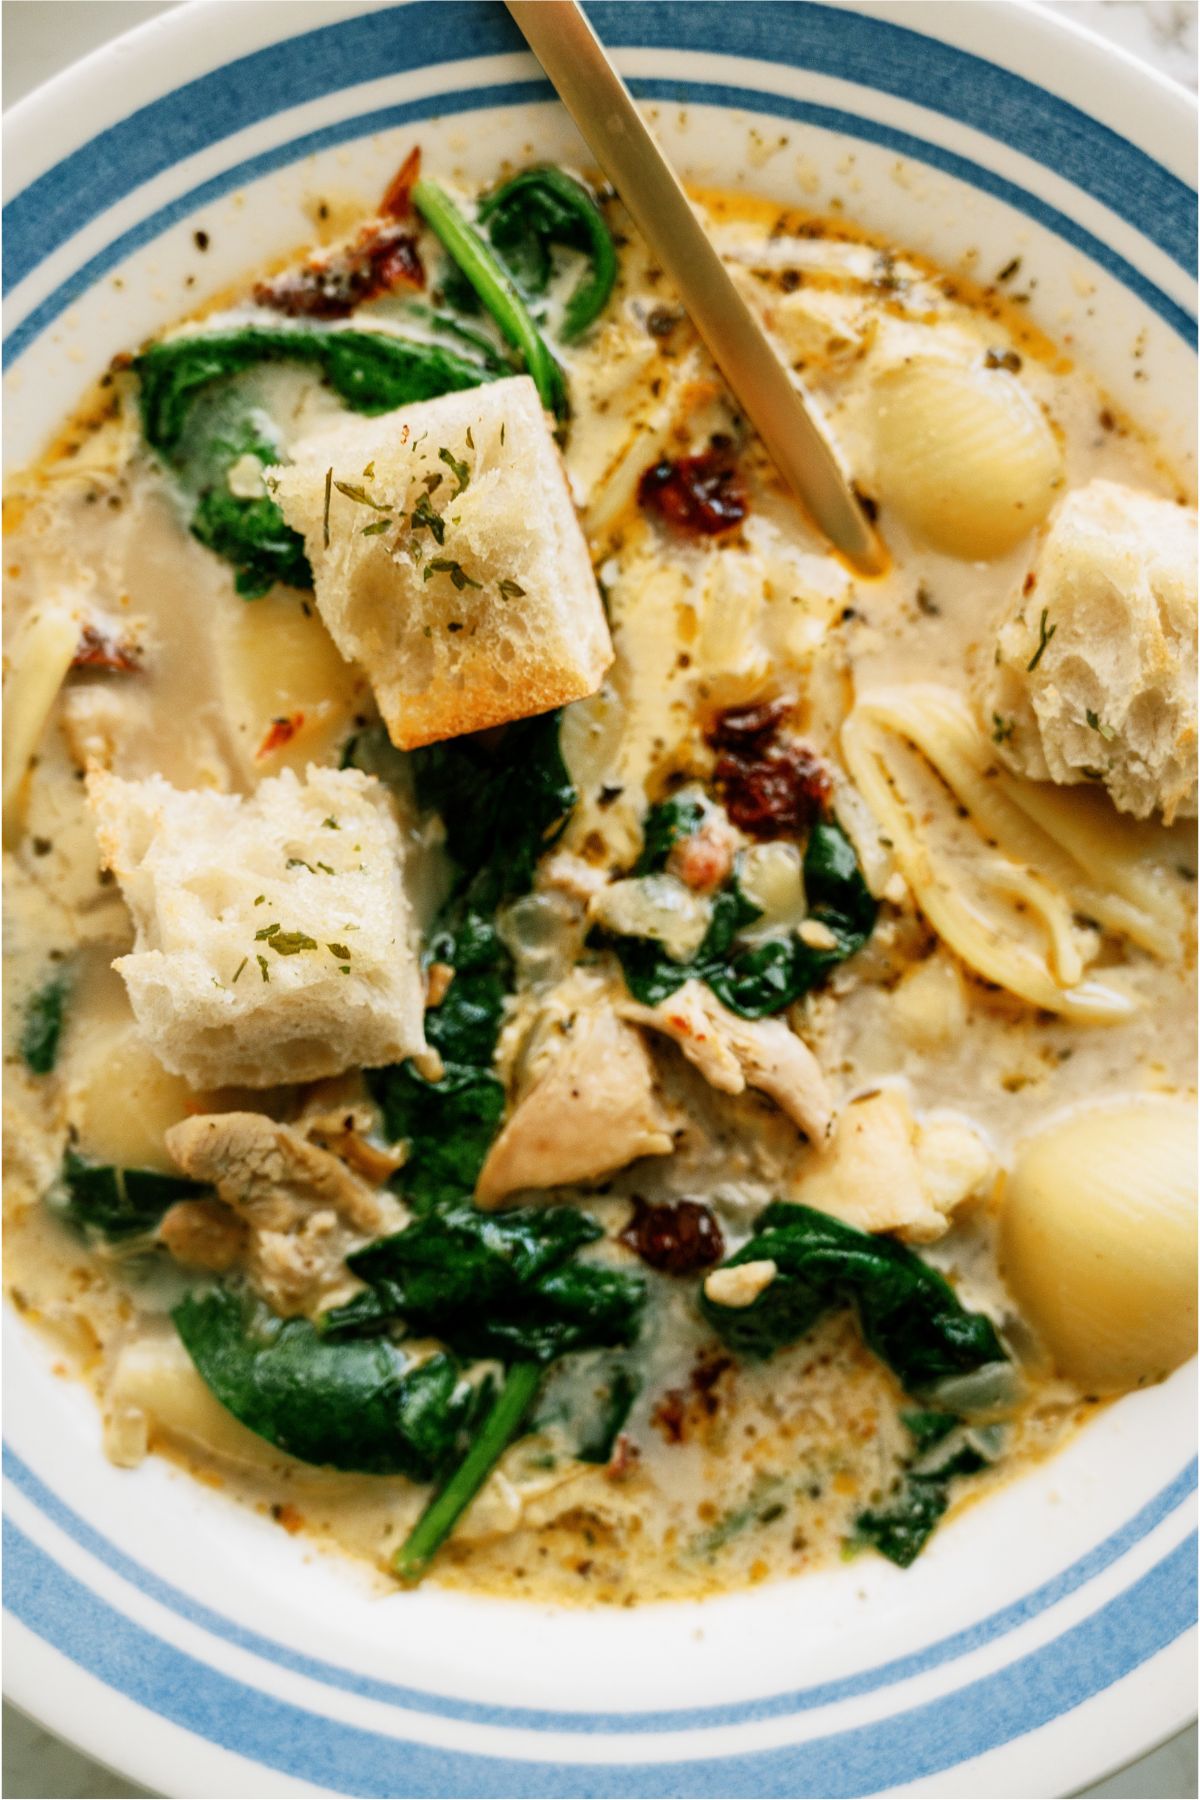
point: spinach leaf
(250, 534)
(901, 1527)
(117, 1204)
(758, 980)
(371, 371)
(463, 1027)
(43, 1024)
(909, 1314)
(495, 287)
(666, 825)
(185, 420)
(504, 1284)
(539, 208)
(495, 1434)
(502, 805)
(359, 1405)
(600, 1431)
(449, 1125)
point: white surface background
(43, 36)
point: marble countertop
(39, 40)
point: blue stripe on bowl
(517, 93)
(346, 1759)
(428, 33)
(960, 1643)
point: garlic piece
(741, 1284)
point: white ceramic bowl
(1045, 1636)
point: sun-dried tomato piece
(96, 650)
(748, 727)
(676, 1237)
(397, 202)
(775, 795)
(383, 256)
(769, 788)
(702, 495)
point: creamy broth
(727, 1471)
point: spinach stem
(495, 287)
(438, 1520)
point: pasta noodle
(1004, 868)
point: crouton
(448, 560)
(1095, 670)
(274, 935)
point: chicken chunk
(588, 1108)
(1094, 676)
(303, 1209)
(887, 1171)
(733, 1054)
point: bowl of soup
(600, 1120)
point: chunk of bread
(454, 569)
(274, 935)
(1109, 627)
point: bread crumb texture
(448, 560)
(274, 938)
(1095, 670)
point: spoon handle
(601, 106)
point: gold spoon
(602, 107)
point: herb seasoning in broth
(606, 1088)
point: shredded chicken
(733, 1054)
(887, 1171)
(204, 1234)
(339, 1117)
(589, 1107)
(303, 1208)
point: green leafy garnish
(43, 1024)
(510, 589)
(1001, 728)
(537, 210)
(1044, 637)
(449, 1124)
(445, 565)
(910, 1316)
(360, 496)
(459, 470)
(1097, 724)
(667, 824)
(507, 1285)
(902, 1525)
(192, 417)
(290, 943)
(117, 1204)
(424, 517)
(496, 1432)
(503, 1284)
(250, 534)
(359, 1405)
(491, 281)
(757, 980)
